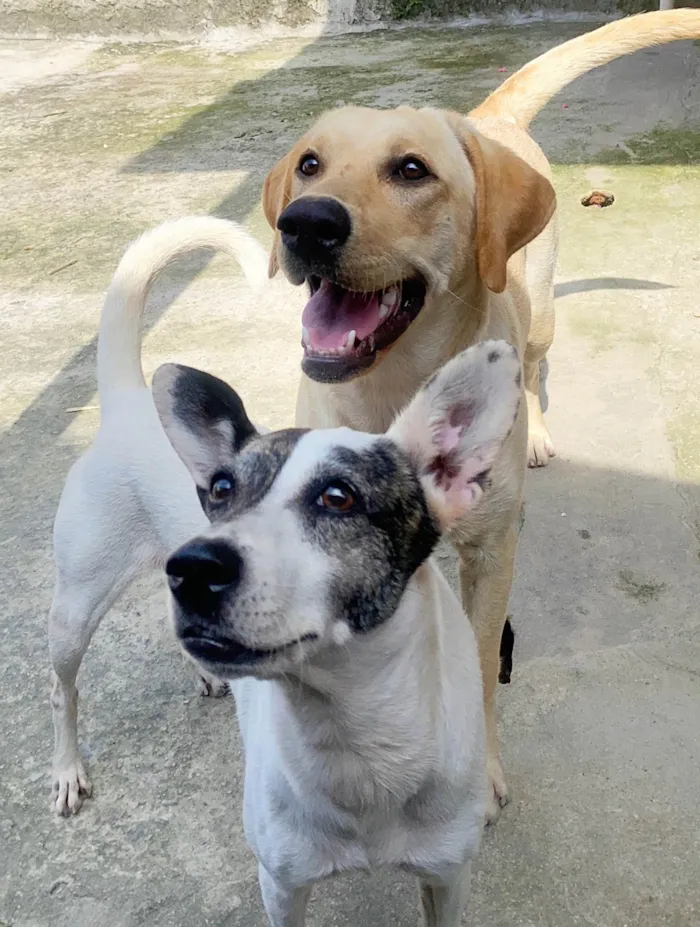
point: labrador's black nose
(315, 227)
(203, 570)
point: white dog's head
(315, 534)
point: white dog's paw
(539, 447)
(498, 792)
(210, 686)
(70, 787)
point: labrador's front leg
(485, 584)
(442, 900)
(285, 907)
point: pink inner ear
(446, 463)
(457, 487)
(448, 437)
(449, 467)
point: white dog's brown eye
(412, 169)
(221, 488)
(309, 165)
(337, 497)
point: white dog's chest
(307, 838)
(301, 832)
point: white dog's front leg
(442, 900)
(285, 907)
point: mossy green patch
(471, 57)
(660, 146)
(644, 591)
(603, 328)
(407, 9)
(628, 7)
(445, 9)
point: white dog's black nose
(202, 569)
(314, 227)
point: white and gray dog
(354, 668)
(128, 501)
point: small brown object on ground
(598, 198)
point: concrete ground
(601, 726)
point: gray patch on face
(253, 471)
(381, 541)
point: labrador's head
(381, 213)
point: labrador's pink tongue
(332, 313)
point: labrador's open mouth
(343, 330)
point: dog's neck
(374, 710)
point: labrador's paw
(539, 446)
(498, 791)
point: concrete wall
(187, 17)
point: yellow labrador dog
(420, 232)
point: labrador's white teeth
(391, 297)
(306, 341)
(341, 350)
(390, 301)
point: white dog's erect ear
(455, 426)
(203, 417)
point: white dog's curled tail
(119, 343)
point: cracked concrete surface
(601, 726)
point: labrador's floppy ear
(514, 202)
(203, 418)
(455, 426)
(276, 194)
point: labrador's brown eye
(336, 497)
(309, 165)
(221, 488)
(412, 169)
